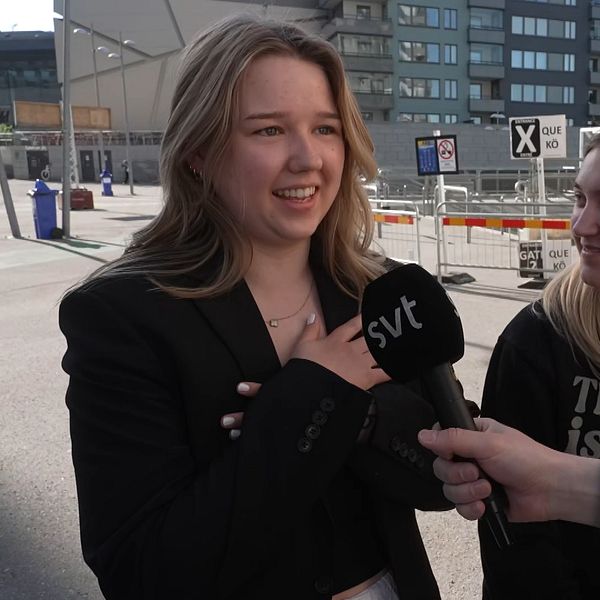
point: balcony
(368, 62)
(374, 100)
(328, 4)
(486, 36)
(356, 25)
(595, 78)
(486, 105)
(499, 4)
(595, 44)
(595, 9)
(593, 109)
(486, 70)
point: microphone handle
(446, 395)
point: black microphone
(413, 329)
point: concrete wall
(478, 147)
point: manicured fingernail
(234, 434)
(426, 435)
(311, 319)
(227, 421)
(243, 387)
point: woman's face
(283, 167)
(585, 221)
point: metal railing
(397, 229)
(487, 236)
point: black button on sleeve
(327, 404)
(304, 445)
(319, 417)
(412, 455)
(312, 432)
(403, 450)
(395, 444)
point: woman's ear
(197, 163)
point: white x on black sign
(525, 138)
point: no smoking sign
(436, 155)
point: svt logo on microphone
(395, 330)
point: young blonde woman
(544, 380)
(252, 275)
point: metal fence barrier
(490, 235)
(397, 228)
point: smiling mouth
(296, 194)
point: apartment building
(423, 61)
(475, 61)
(27, 70)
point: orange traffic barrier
(399, 219)
(507, 223)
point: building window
(367, 116)
(412, 87)
(419, 117)
(564, 2)
(486, 54)
(475, 91)
(543, 27)
(363, 45)
(542, 61)
(450, 18)
(362, 82)
(450, 118)
(486, 18)
(569, 94)
(450, 54)
(475, 120)
(450, 89)
(418, 16)
(541, 94)
(363, 12)
(419, 52)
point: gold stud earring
(197, 174)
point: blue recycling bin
(106, 179)
(44, 210)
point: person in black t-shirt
(544, 380)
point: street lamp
(90, 32)
(107, 52)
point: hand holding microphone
(413, 330)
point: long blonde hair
(194, 230)
(573, 307)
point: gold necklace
(275, 322)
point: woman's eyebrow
(281, 115)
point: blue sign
(436, 155)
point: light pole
(106, 51)
(90, 32)
(66, 118)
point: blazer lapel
(236, 320)
(337, 306)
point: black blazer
(171, 508)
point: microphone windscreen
(410, 324)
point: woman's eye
(326, 130)
(579, 199)
(269, 131)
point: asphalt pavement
(40, 555)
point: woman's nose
(305, 155)
(586, 221)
